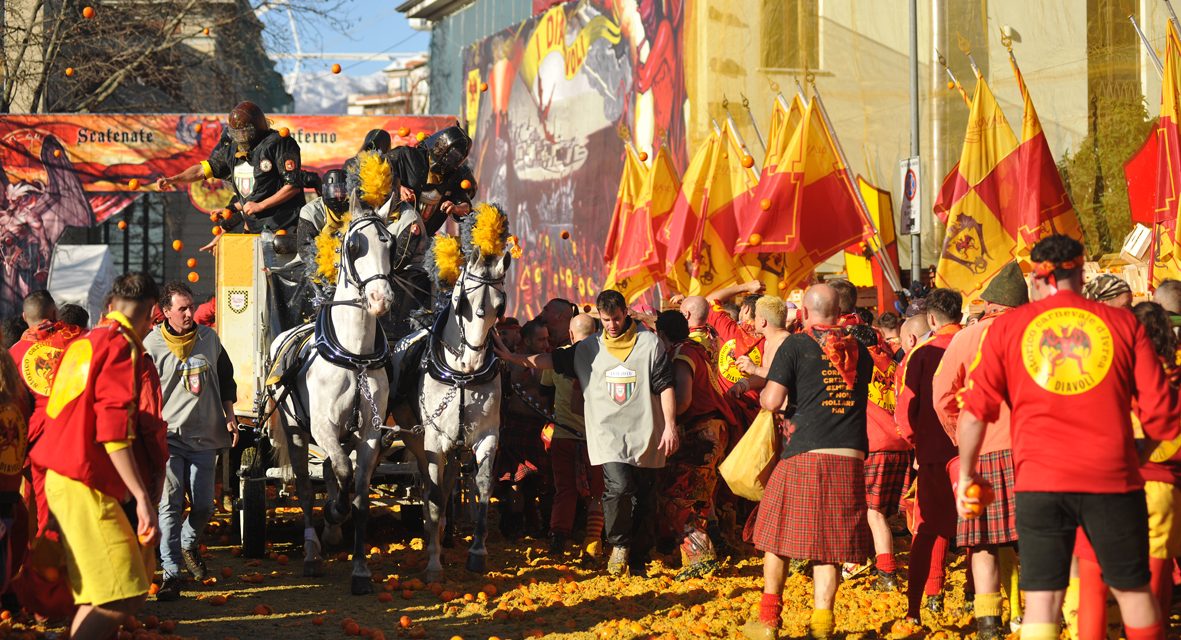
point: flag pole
(1173, 15)
(916, 243)
(954, 81)
(1160, 68)
(750, 114)
(887, 268)
(738, 138)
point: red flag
(1140, 174)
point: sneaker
(886, 580)
(196, 565)
(617, 563)
(169, 590)
(935, 603)
(758, 630)
(989, 628)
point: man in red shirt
(93, 451)
(37, 355)
(687, 483)
(990, 537)
(1069, 369)
(737, 339)
(935, 513)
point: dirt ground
(525, 594)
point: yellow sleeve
(207, 169)
(119, 445)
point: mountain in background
(324, 93)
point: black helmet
(377, 140)
(447, 148)
(335, 192)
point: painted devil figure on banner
(549, 104)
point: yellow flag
(977, 244)
(627, 201)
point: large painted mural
(551, 104)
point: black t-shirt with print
(822, 412)
(276, 162)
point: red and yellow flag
(863, 270)
(636, 263)
(1041, 207)
(631, 184)
(978, 243)
(809, 205)
(1166, 230)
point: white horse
(459, 403)
(345, 391)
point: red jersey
(949, 381)
(915, 413)
(879, 411)
(95, 399)
(708, 398)
(1069, 369)
(37, 355)
(734, 342)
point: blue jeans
(190, 473)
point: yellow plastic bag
(750, 464)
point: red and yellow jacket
(106, 391)
(37, 356)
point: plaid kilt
(998, 524)
(814, 509)
(886, 475)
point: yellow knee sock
(1040, 631)
(1010, 576)
(1069, 609)
(987, 605)
(823, 623)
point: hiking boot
(169, 590)
(886, 580)
(557, 544)
(617, 563)
(935, 603)
(758, 630)
(196, 565)
(989, 628)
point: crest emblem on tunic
(238, 300)
(621, 384)
(1067, 351)
(289, 165)
(265, 165)
(37, 367)
(191, 373)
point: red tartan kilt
(886, 475)
(813, 508)
(998, 524)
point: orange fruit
(467, 597)
(318, 621)
(755, 240)
(226, 572)
(483, 87)
(465, 184)
(151, 590)
(263, 610)
(151, 622)
(420, 136)
(192, 263)
(88, 12)
(177, 245)
(193, 277)
(336, 68)
(226, 214)
(403, 132)
(122, 225)
(950, 85)
(765, 204)
(284, 132)
(748, 162)
(489, 589)
(281, 232)
(197, 128)
(282, 558)
(57, 153)
(133, 184)
(352, 628)
(217, 600)
(407, 594)
(643, 156)
(404, 622)
(205, 31)
(565, 234)
(168, 626)
(385, 596)
(217, 231)
(69, 72)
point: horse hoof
(313, 568)
(477, 563)
(362, 585)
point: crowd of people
(1045, 423)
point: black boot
(935, 603)
(886, 580)
(989, 628)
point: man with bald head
(568, 451)
(913, 331)
(696, 311)
(814, 507)
(556, 314)
(1168, 295)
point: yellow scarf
(328, 245)
(620, 347)
(181, 346)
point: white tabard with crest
(192, 394)
(623, 416)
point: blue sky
(376, 27)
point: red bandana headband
(1046, 268)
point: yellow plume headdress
(485, 229)
(445, 260)
(371, 178)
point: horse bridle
(484, 284)
(350, 245)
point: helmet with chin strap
(247, 122)
(447, 149)
(335, 191)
